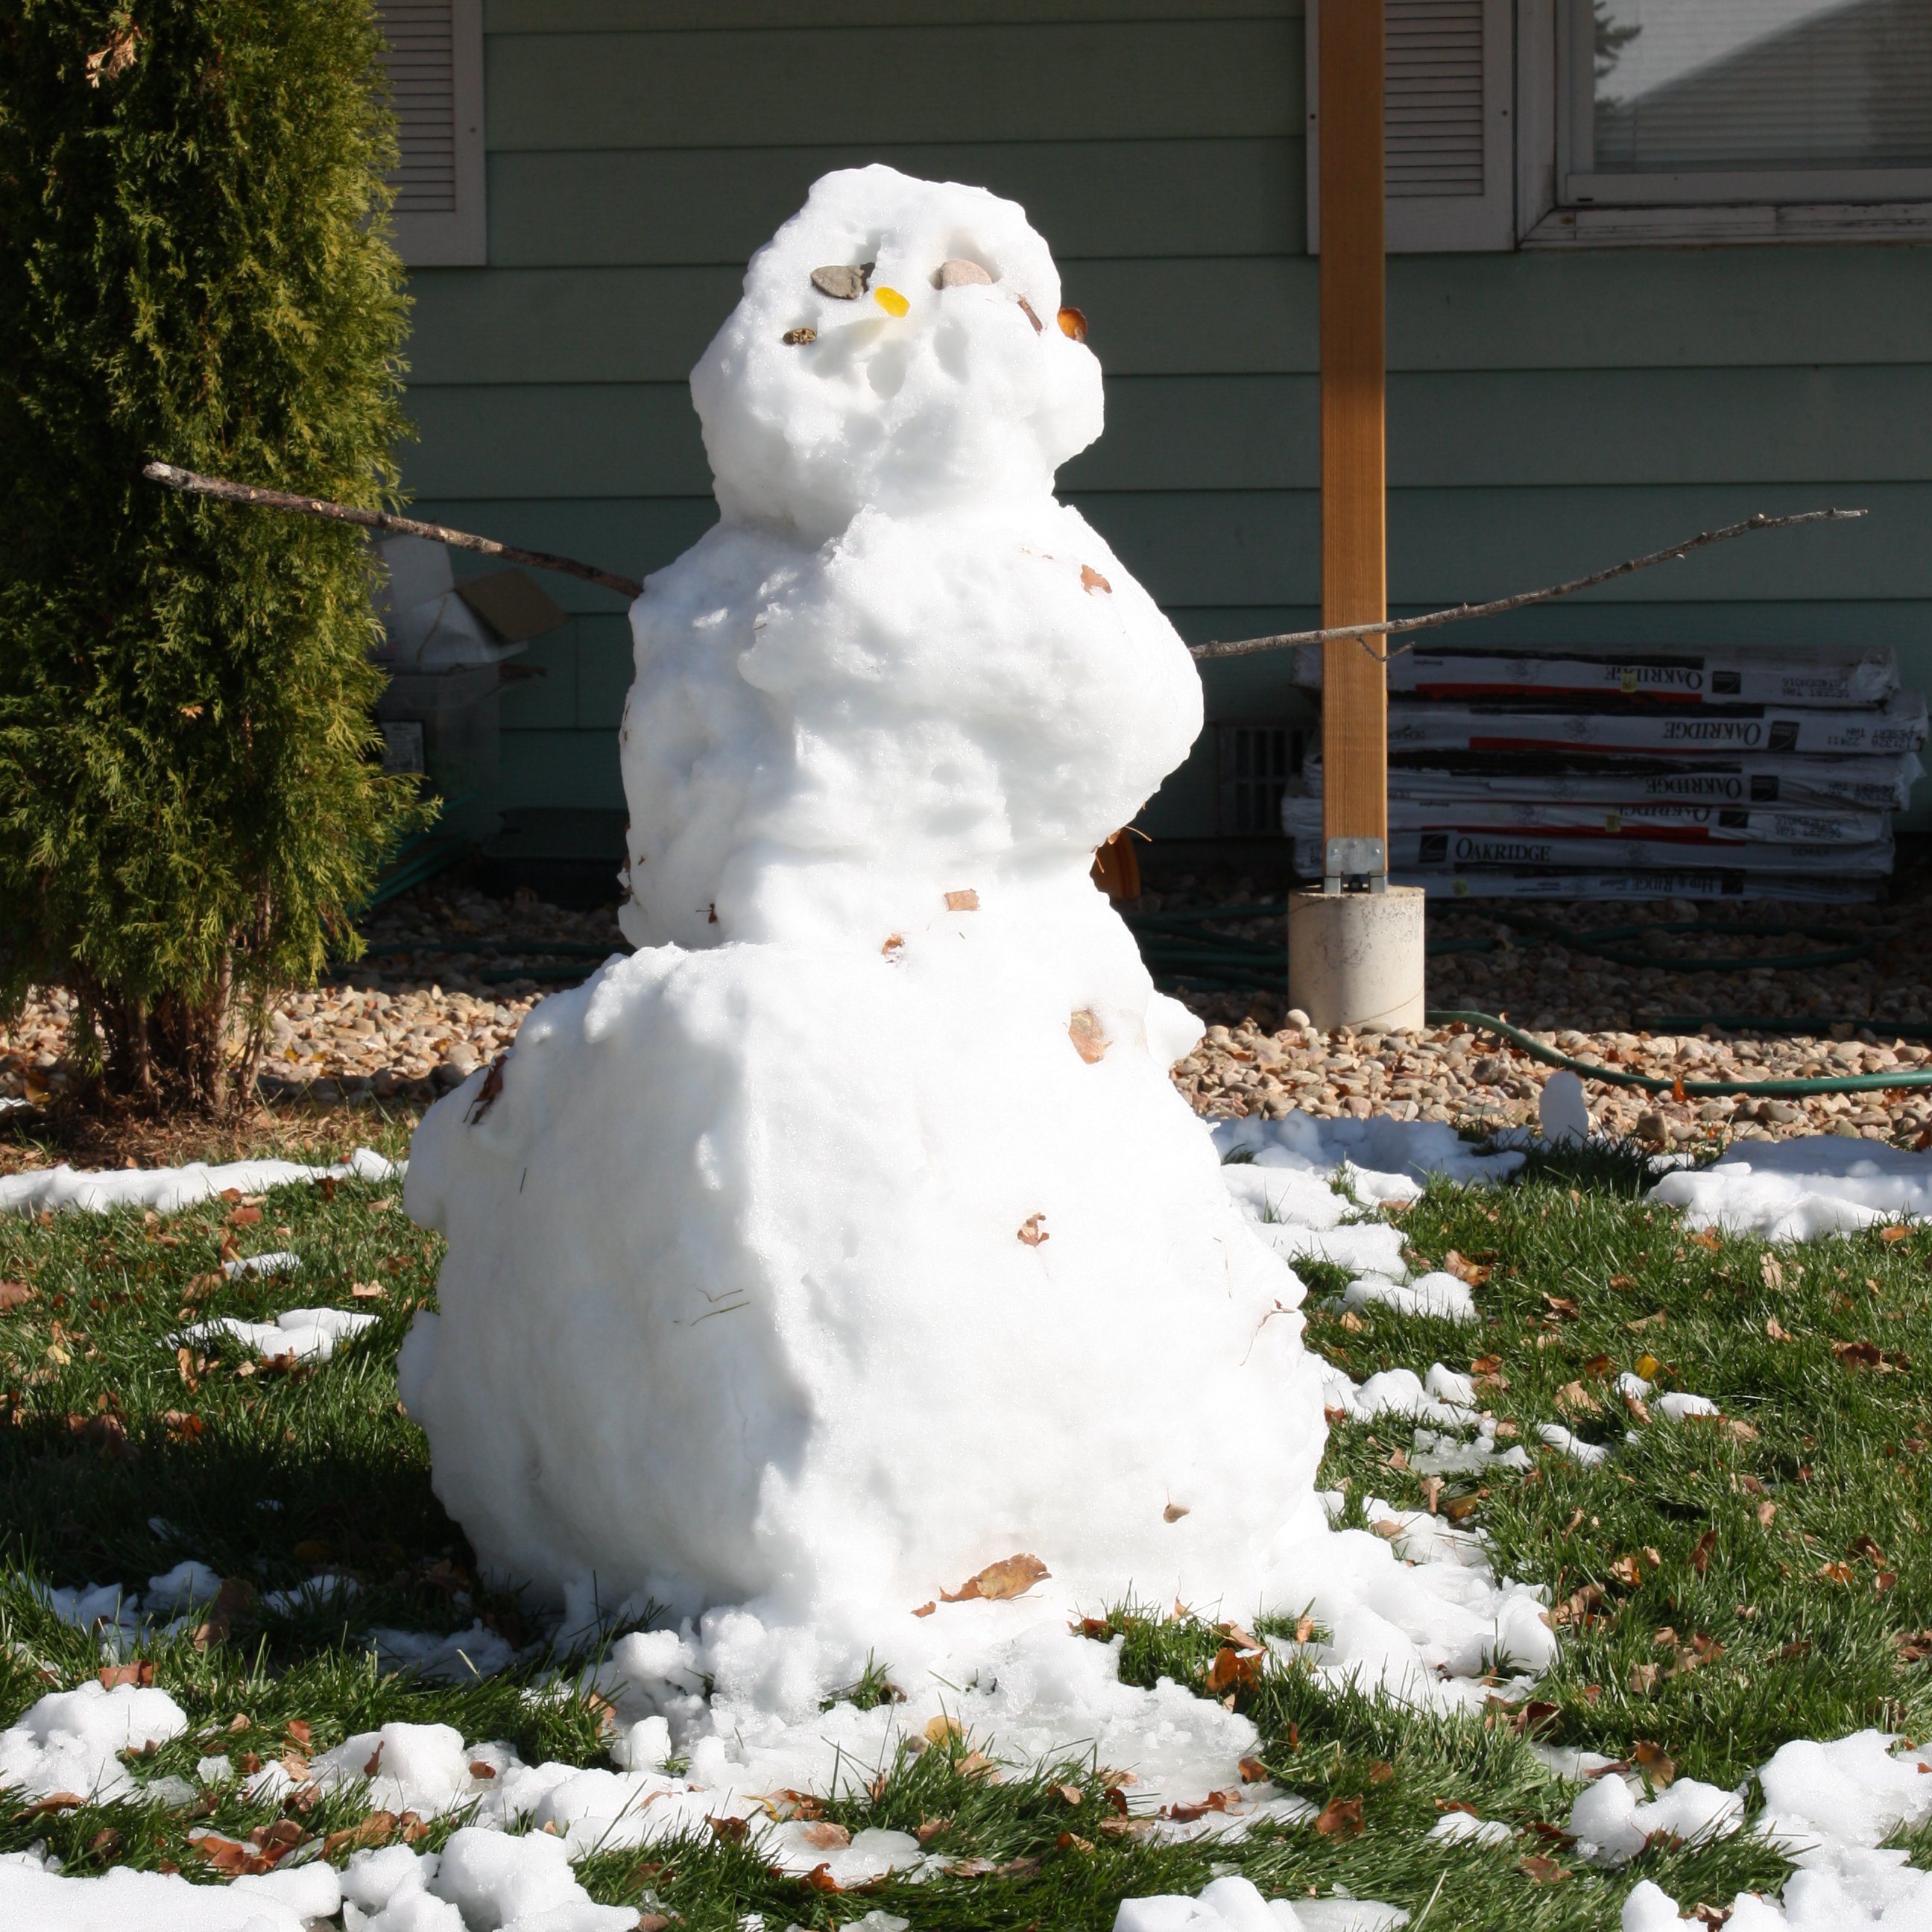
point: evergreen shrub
(195, 265)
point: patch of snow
(126, 1900)
(1609, 1823)
(460, 1658)
(71, 1740)
(1588, 1454)
(300, 1334)
(168, 1189)
(281, 1262)
(1438, 1294)
(1562, 1110)
(186, 1585)
(1802, 1188)
(1458, 1827)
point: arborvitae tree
(195, 266)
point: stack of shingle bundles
(1598, 773)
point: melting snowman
(847, 1240)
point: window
(433, 59)
(1747, 120)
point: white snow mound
(1798, 1190)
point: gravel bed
(1828, 1020)
(451, 973)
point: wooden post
(1354, 686)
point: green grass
(1783, 1621)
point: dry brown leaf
(1775, 1329)
(1835, 1572)
(1627, 1571)
(1642, 1679)
(925, 1609)
(1765, 1511)
(1012, 1577)
(1232, 1671)
(1031, 1232)
(1092, 581)
(967, 900)
(1174, 1512)
(13, 1294)
(114, 59)
(1573, 1399)
(1089, 1042)
(1252, 1771)
(1563, 1307)
(367, 1290)
(1471, 1273)
(1893, 1234)
(492, 1085)
(1541, 1871)
(826, 1837)
(1707, 1237)
(928, 1829)
(378, 1828)
(1772, 1269)
(113, 1675)
(1652, 1760)
(1340, 1818)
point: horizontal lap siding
(1547, 413)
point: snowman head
(899, 346)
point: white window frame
(1562, 204)
(457, 238)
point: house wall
(1549, 412)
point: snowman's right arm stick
(1243, 647)
(224, 491)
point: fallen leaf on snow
(1013, 1577)
(1031, 1232)
(1089, 1042)
(967, 900)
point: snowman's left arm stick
(1241, 647)
(225, 492)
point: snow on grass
(1724, 1662)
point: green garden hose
(1691, 1090)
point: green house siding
(1548, 412)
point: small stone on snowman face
(959, 273)
(796, 337)
(841, 282)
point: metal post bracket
(1361, 862)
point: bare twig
(1245, 646)
(380, 520)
